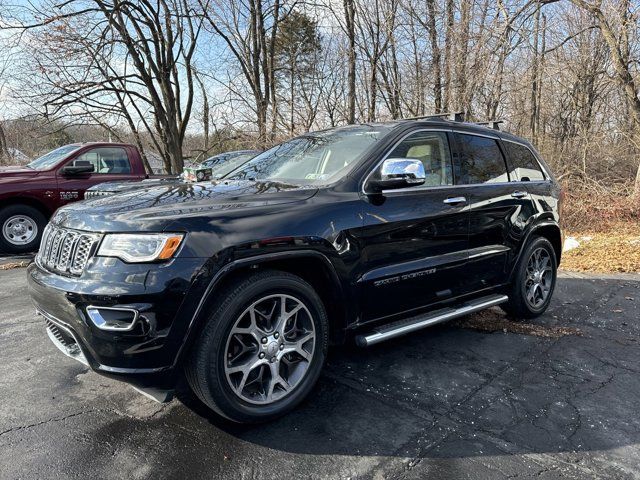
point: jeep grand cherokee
(358, 233)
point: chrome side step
(408, 325)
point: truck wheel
(262, 348)
(534, 280)
(20, 229)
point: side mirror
(76, 169)
(398, 173)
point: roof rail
(452, 116)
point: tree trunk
(349, 15)
(535, 76)
(292, 67)
(4, 153)
(448, 44)
(435, 57)
(461, 58)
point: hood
(152, 209)
(123, 185)
(17, 170)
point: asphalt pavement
(481, 398)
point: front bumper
(145, 356)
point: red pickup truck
(29, 195)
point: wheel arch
(548, 229)
(551, 231)
(28, 201)
(312, 266)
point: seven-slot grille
(93, 194)
(65, 251)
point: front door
(109, 164)
(414, 240)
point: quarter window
(481, 161)
(432, 149)
(113, 160)
(523, 166)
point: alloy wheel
(269, 349)
(538, 277)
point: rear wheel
(534, 280)
(20, 228)
(262, 348)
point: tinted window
(481, 161)
(112, 160)
(432, 149)
(523, 166)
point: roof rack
(493, 124)
(457, 117)
(452, 116)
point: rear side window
(523, 166)
(481, 161)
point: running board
(408, 325)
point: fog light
(114, 319)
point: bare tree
(616, 25)
(133, 60)
(249, 30)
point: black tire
(8, 244)
(519, 306)
(205, 368)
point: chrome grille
(97, 193)
(65, 251)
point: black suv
(364, 232)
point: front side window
(312, 159)
(432, 149)
(481, 161)
(105, 160)
(523, 166)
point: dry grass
(590, 207)
(610, 216)
(617, 250)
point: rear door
(499, 210)
(109, 164)
(414, 241)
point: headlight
(140, 247)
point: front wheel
(21, 228)
(534, 280)
(262, 348)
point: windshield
(50, 159)
(317, 158)
(221, 169)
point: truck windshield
(50, 159)
(316, 158)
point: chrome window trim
(439, 187)
(467, 185)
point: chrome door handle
(519, 194)
(454, 200)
